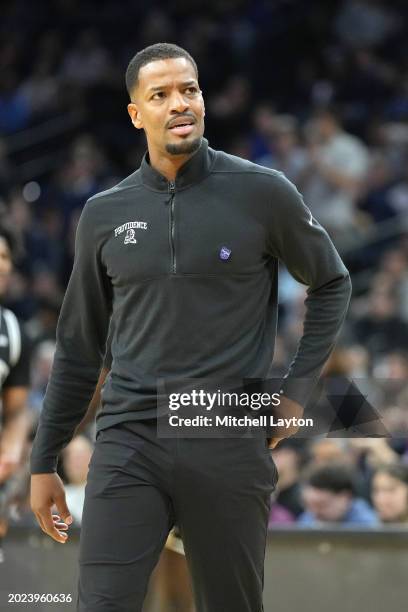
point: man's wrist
(298, 390)
(43, 465)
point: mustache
(189, 116)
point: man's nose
(178, 103)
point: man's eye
(158, 95)
(191, 90)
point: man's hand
(287, 409)
(47, 490)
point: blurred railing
(374, 236)
(378, 232)
(35, 150)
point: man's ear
(134, 114)
(203, 103)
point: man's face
(5, 266)
(326, 505)
(167, 103)
(390, 497)
(326, 127)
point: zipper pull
(172, 189)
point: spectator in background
(85, 172)
(396, 422)
(332, 413)
(382, 330)
(14, 105)
(44, 324)
(45, 286)
(279, 515)
(285, 154)
(390, 493)
(229, 108)
(372, 452)
(36, 246)
(358, 361)
(76, 456)
(399, 192)
(376, 192)
(263, 120)
(365, 23)
(337, 169)
(329, 497)
(288, 456)
(389, 139)
(88, 61)
(41, 88)
(52, 224)
(329, 450)
(394, 275)
(367, 454)
(392, 371)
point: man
(191, 294)
(333, 182)
(329, 497)
(14, 382)
(288, 459)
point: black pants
(216, 490)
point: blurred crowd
(317, 90)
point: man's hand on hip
(287, 409)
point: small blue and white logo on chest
(225, 253)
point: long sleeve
(310, 256)
(81, 338)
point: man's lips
(182, 125)
(183, 129)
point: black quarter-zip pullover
(184, 276)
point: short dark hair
(334, 477)
(159, 51)
(332, 111)
(399, 471)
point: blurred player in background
(14, 381)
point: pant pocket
(268, 453)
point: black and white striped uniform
(14, 372)
(14, 353)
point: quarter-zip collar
(194, 170)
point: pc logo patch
(225, 253)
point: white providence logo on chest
(129, 228)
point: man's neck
(167, 165)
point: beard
(184, 148)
